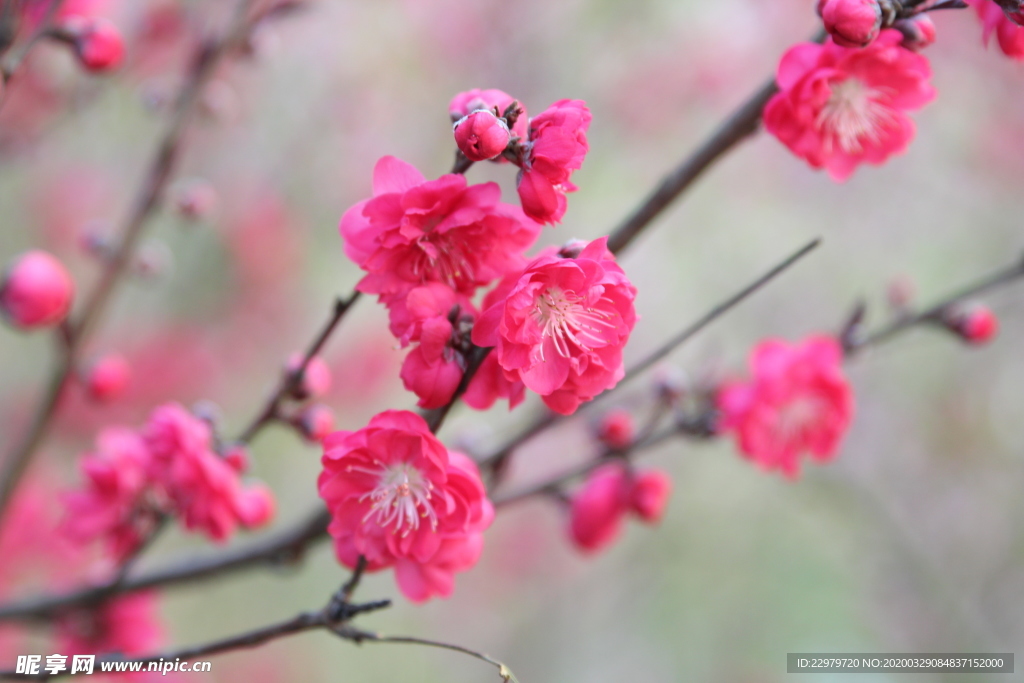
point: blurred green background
(910, 541)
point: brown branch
(933, 314)
(435, 418)
(293, 378)
(207, 57)
(17, 57)
(330, 617)
(283, 548)
(740, 125)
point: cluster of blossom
(609, 494)
(31, 551)
(555, 324)
(169, 467)
(847, 101)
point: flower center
(445, 260)
(796, 416)
(402, 496)
(564, 318)
(853, 115)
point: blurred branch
(285, 547)
(9, 23)
(208, 55)
(293, 378)
(334, 616)
(495, 460)
(933, 314)
(740, 125)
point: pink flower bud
(595, 516)
(976, 325)
(195, 199)
(481, 135)
(108, 378)
(616, 429)
(649, 495)
(316, 380)
(316, 422)
(98, 44)
(918, 32)
(255, 506)
(851, 23)
(237, 457)
(37, 291)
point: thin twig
(283, 548)
(933, 314)
(740, 125)
(436, 418)
(18, 56)
(207, 57)
(293, 378)
(360, 636)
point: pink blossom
(414, 231)
(557, 146)
(438, 319)
(202, 488)
(598, 508)
(466, 103)
(648, 495)
(994, 20)
(481, 135)
(851, 23)
(797, 401)
(127, 624)
(490, 381)
(839, 107)
(108, 378)
(112, 504)
(37, 291)
(400, 499)
(562, 326)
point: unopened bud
(616, 429)
(108, 378)
(237, 456)
(481, 135)
(918, 32)
(195, 199)
(98, 43)
(36, 292)
(976, 325)
(316, 378)
(649, 495)
(316, 422)
(851, 23)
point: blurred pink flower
(598, 508)
(562, 325)
(108, 378)
(1009, 34)
(111, 505)
(616, 429)
(649, 494)
(839, 107)
(128, 624)
(400, 499)
(37, 291)
(797, 401)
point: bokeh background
(910, 541)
